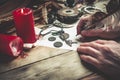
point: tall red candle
(11, 45)
(24, 23)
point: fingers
(90, 59)
(99, 33)
(91, 49)
(82, 22)
(92, 33)
(101, 41)
(91, 53)
(80, 25)
(93, 44)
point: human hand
(104, 55)
(102, 33)
(106, 31)
(84, 20)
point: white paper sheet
(45, 42)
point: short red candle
(24, 23)
(11, 45)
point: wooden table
(45, 63)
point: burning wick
(22, 11)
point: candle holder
(11, 45)
(24, 24)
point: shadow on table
(6, 58)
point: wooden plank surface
(45, 63)
(63, 67)
(94, 76)
(35, 54)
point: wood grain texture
(35, 54)
(94, 76)
(63, 67)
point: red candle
(24, 23)
(11, 45)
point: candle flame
(22, 11)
